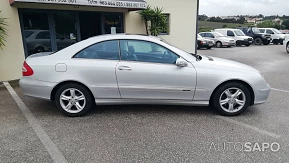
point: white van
(237, 35)
(277, 36)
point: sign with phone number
(104, 3)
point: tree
(260, 16)
(202, 17)
(269, 24)
(3, 31)
(286, 24)
(157, 19)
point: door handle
(124, 68)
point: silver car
(220, 39)
(134, 69)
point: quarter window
(143, 51)
(262, 30)
(105, 50)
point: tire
(209, 47)
(266, 42)
(219, 44)
(220, 95)
(82, 98)
(258, 41)
(287, 47)
(248, 45)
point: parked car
(236, 34)
(284, 31)
(204, 43)
(135, 69)
(277, 36)
(219, 39)
(286, 43)
(259, 38)
(39, 41)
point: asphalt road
(143, 133)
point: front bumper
(36, 88)
(228, 43)
(262, 93)
(244, 42)
(279, 41)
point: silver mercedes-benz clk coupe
(135, 69)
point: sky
(244, 7)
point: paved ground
(157, 133)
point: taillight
(27, 70)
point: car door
(95, 66)
(148, 71)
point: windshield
(256, 30)
(239, 33)
(276, 31)
(217, 34)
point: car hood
(226, 63)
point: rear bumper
(36, 88)
(229, 43)
(262, 93)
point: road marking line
(261, 131)
(281, 90)
(51, 148)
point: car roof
(125, 36)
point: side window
(143, 51)
(210, 35)
(262, 30)
(103, 50)
(269, 31)
(230, 33)
(43, 35)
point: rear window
(27, 34)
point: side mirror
(181, 62)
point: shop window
(113, 23)
(36, 32)
(166, 32)
(65, 28)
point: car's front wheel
(231, 99)
(73, 99)
(287, 47)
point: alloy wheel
(232, 100)
(72, 100)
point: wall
(182, 22)
(12, 55)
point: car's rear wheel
(73, 99)
(231, 99)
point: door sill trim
(150, 102)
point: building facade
(51, 25)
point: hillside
(205, 26)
